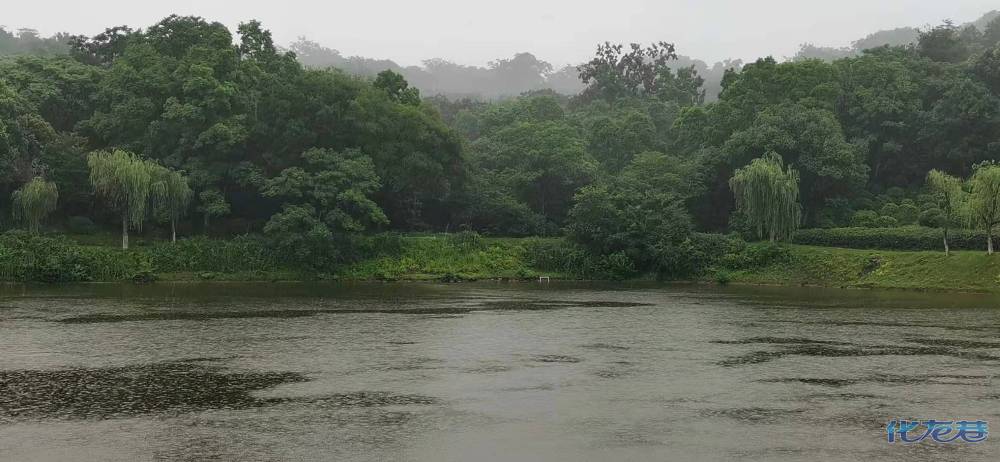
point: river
(489, 371)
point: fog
(558, 31)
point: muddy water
(489, 372)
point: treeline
(628, 169)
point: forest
(186, 128)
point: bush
(201, 254)
(32, 258)
(907, 213)
(80, 225)
(903, 238)
(864, 219)
(696, 255)
(568, 258)
(723, 277)
(932, 218)
(466, 241)
(886, 221)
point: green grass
(466, 256)
(837, 267)
(434, 257)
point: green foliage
(34, 201)
(122, 180)
(212, 203)
(467, 240)
(864, 219)
(337, 187)
(768, 195)
(627, 218)
(171, 194)
(32, 258)
(893, 238)
(299, 232)
(241, 254)
(984, 200)
(723, 277)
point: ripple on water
(175, 387)
(555, 359)
(830, 351)
(439, 311)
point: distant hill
(502, 78)
(893, 37)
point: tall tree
(212, 203)
(984, 199)
(949, 197)
(173, 195)
(617, 72)
(123, 180)
(34, 201)
(768, 195)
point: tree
(34, 201)
(212, 203)
(615, 72)
(123, 180)
(984, 199)
(337, 187)
(949, 199)
(397, 88)
(172, 193)
(542, 164)
(813, 141)
(943, 43)
(618, 216)
(768, 195)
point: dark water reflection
(488, 372)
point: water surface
(435, 372)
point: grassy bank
(838, 267)
(467, 256)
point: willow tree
(124, 181)
(34, 201)
(949, 195)
(768, 195)
(984, 200)
(171, 193)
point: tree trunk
(989, 241)
(205, 228)
(771, 236)
(946, 251)
(124, 232)
(173, 230)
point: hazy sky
(559, 31)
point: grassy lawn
(837, 267)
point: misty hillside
(504, 77)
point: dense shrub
(865, 219)
(240, 254)
(565, 257)
(904, 238)
(32, 258)
(467, 241)
(697, 254)
(378, 245)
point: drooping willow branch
(34, 201)
(768, 195)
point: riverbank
(838, 267)
(469, 257)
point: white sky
(474, 32)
